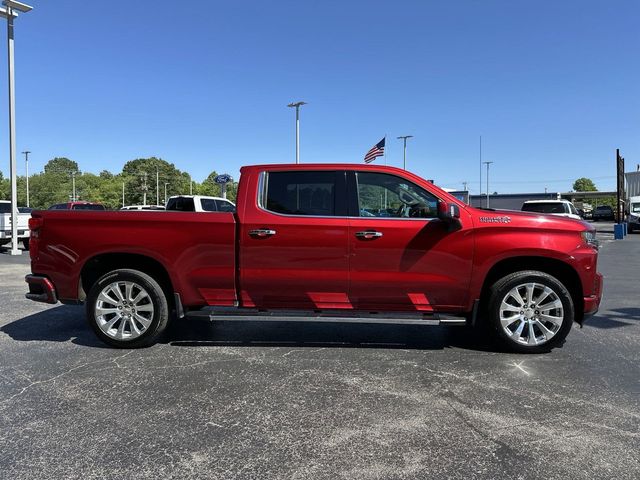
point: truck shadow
(58, 324)
(67, 324)
(614, 318)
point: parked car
(143, 207)
(562, 208)
(299, 248)
(5, 224)
(603, 212)
(199, 203)
(77, 206)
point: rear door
(293, 241)
(402, 256)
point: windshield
(544, 207)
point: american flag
(376, 151)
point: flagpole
(385, 164)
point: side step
(335, 316)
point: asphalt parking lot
(298, 401)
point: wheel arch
(102, 263)
(564, 272)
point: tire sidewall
(503, 286)
(156, 295)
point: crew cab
(334, 242)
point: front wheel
(127, 309)
(530, 311)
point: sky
(551, 86)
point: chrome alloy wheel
(531, 314)
(124, 310)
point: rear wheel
(530, 311)
(127, 309)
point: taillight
(35, 224)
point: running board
(333, 316)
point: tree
(141, 173)
(61, 165)
(584, 184)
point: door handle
(262, 232)
(369, 234)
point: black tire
(154, 300)
(518, 281)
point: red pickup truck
(334, 242)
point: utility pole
(8, 12)
(73, 188)
(165, 192)
(157, 186)
(480, 186)
(487, 164)
(122, 194)
(297, 106)
(26, 164)
(404, 158)
(144, 189)
(464, 186)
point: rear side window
(181, 204)
(301, 193)
(5, 207)
(209, 205)
(225, 206)
(58, 206)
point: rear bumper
(592, 302)
(41, 289)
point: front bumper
(592, 302)
(41, 289)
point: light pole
(297, 106)
(404, 157)
(487, 164)
(165, 192)
(26, 164)
(73, 186)
(158, 186)
(8, 12)
(122, 194)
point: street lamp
(165, 192)
(8, 12)
(404, 158)
(487, 164)
(297, 106)
(26, 164)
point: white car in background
(561, 208)
(199, 203)
(5, 225)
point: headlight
(589, 237)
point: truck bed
(197, 250)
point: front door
(293, 242)
(402, 256)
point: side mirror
(448, 212)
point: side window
(385, 195)
(209, 205)
(301, 193)
(225, 206)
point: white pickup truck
(5, 225)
